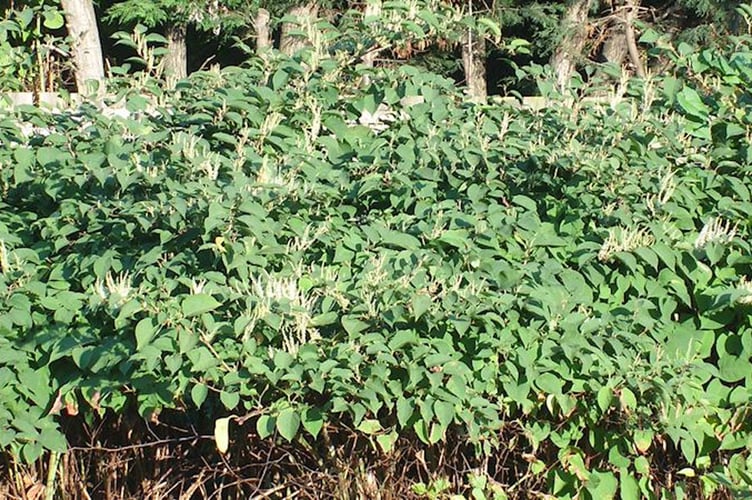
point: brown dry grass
(129, 458)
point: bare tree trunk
(86, 50)
(474, 62)
(305, 15)
(263, 33)
(615, 47)
(631, 7)
(373, 9)
(565, 57)
(176, 59)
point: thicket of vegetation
(49, 45)
(306, 276)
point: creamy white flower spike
(715, 230)
(624, 240)
(296, 328)
(114, 288)
(4, 263)
(745, 285)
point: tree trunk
(565, 57)
(615, 47)
(373, 9)
(176, 59)
(474, 62)
(263, 33)
(631, 7)
(305, 16)
(86, 50)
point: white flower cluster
(624, 240)
(270, 289)
(115, 289)
(745, 285)
(715, 230)
(379, 120)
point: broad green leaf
(444, 413)
(405, 409)
(627, 399)
(402, 338)
(324, 319)
(312, 420)
(24, 163)
(629, 489)
(288, 423)
(549, 383)
(387, 441)
(353, 326)
(687, 445)
(399, 240)
(265, 426)
(691, 103)
(602, 485)
(146, 329)
(53, 20)
(421, 430)
(604, 398)
(194, 305)
(420, 304)
(54, 440)
(370, 426)
(643, 439)
(457, 238)
(198, 394)
(229, 399)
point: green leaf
(405, 409)
(444, 413)
(421, 430)
(353, 326)
(643, 439)
(53, 20)
(229, 399)
(54, 440)
(387, 441)
(691, 103)
(401, 339)
(127, 311)
(629, 489)
(288, 423)
(525, 202)
(265, 426)
(398, 239)
(198, 394)
(549, 383)
(457, 238)
(602, 485)
(313, 421)
(370, 426)
(604, 398)
(687, 445)
(491, 26)
(24, 163)
(420, 304)
(146, 329)
(627, 399)
(194, 305)
(324, 319)
(226, 138)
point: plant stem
(49, 487)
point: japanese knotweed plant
(280, 245)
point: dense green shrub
(279, 241)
